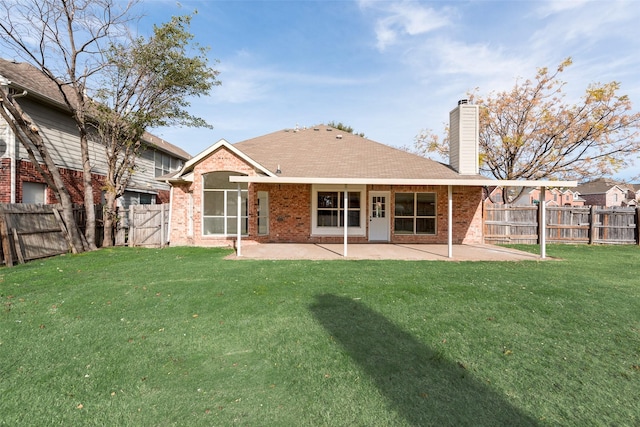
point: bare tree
(147, 83)
(28, 134)
(65, 39)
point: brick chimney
(463, 138)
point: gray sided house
(39, 97)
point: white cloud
(403, 18)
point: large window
(134, 198)
(328, 210)
(165, 163)
(220, 205)
(331, 209)
(415, 213)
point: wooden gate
(144, 225)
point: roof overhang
(468, 182)
(223, 143)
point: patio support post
(543, 223)
(239, 224)
(345, 205)
(450, 220)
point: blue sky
(390, 68)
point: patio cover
(474, 181)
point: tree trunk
(19, 122)
(109, 218)
(89, 206)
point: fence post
(132, 227)
(542, 223)
(6, 244)
(592, 224)
(638, 225)
(162, 227)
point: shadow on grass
(419, 383)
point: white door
(379, 216)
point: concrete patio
(380, 251)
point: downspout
(13, 156)
(170, 212)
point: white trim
(239, 222)
(470, 182)
(345, 206)
(543, 223)
(337, 231)
(387, 195)
(204, 154)
(450, 221)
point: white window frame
(233, 213)
(159, 158)
(263, 212)
(415, 215)
(338, 231)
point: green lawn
(180, 336)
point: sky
(390, 69)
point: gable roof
(186, 173)
(325, 152)
(23, 76)
(600, 186)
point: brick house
(39, 97)
(295, 185)
(531, 196)
(607, 192)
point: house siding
(60, 134)
(464, 139)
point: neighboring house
(607, 192)
(39, 97)
(295, 185)
(531, 196)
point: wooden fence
(29, 232)
(143, 225)
(567, 224)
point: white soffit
(469, 182)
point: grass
(182, 337)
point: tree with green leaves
(343, 127)
(65, 40)
(146, 83)
(530, 132)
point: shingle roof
(599, 186)
(325, 152)
(24, 76)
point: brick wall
(72, 179)
(26, 172)
(221, 160)
(5, 180)
(290, 210)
